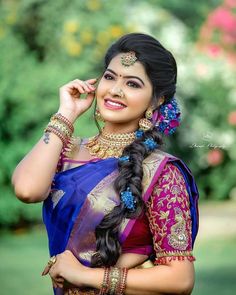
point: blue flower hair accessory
(150, 144)
(124, 159)
(167, 118)
(139, 133)
(128, 199)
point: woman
(121, 214)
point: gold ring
(52, 260)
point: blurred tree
(192, 13)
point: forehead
(137, 69)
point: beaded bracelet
(60, 126)
(122, 284)
(63, 119)
(105, 282)
(58, 133)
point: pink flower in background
(230, 3)
(223, 19)
(232, 118)
(218, 34)
(214, 50)
(215, 157)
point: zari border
(167, 256)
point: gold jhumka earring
(98, 116)
(145, 123)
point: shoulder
(170, 180)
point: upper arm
(168, 211)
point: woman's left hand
(66, 268)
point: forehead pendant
(128, 58)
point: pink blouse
(166, 226)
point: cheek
(141, 101)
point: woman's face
(122, 112)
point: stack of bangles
(60, 126)
(114, 281)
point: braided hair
(161, 69)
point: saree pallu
(80, 197)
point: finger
(75, 88)
(92, 81)
(82, 84)
(46, 271)
(54, 283)
(91, 87)
(60, 280)
(88, 86)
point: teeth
(115, 103)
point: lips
(113, 104)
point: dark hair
(161, 69)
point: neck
(120, 128)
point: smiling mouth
(111, 104)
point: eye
(133, 84)
(108, 76)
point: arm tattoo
(46, 137)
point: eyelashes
(130, 83)
(133, 84)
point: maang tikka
(128, 58)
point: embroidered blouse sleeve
(168, 211)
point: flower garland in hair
(128, 199)
(167, 118)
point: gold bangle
(56, 132)
(63, 119)
(105, 282)
(60, 127)
(122, 283)
(114, 278)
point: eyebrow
(129, 77)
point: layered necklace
(107, 145)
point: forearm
(159, 280)
(33, 175)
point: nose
(117, 91)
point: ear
(161, 101)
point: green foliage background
(45, 44)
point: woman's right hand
(71, 105)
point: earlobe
(161, 101)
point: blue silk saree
(80, 197)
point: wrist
(68, 114)
(93, 277)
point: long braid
(108, 248)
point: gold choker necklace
(107, 145)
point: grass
(23, 256)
